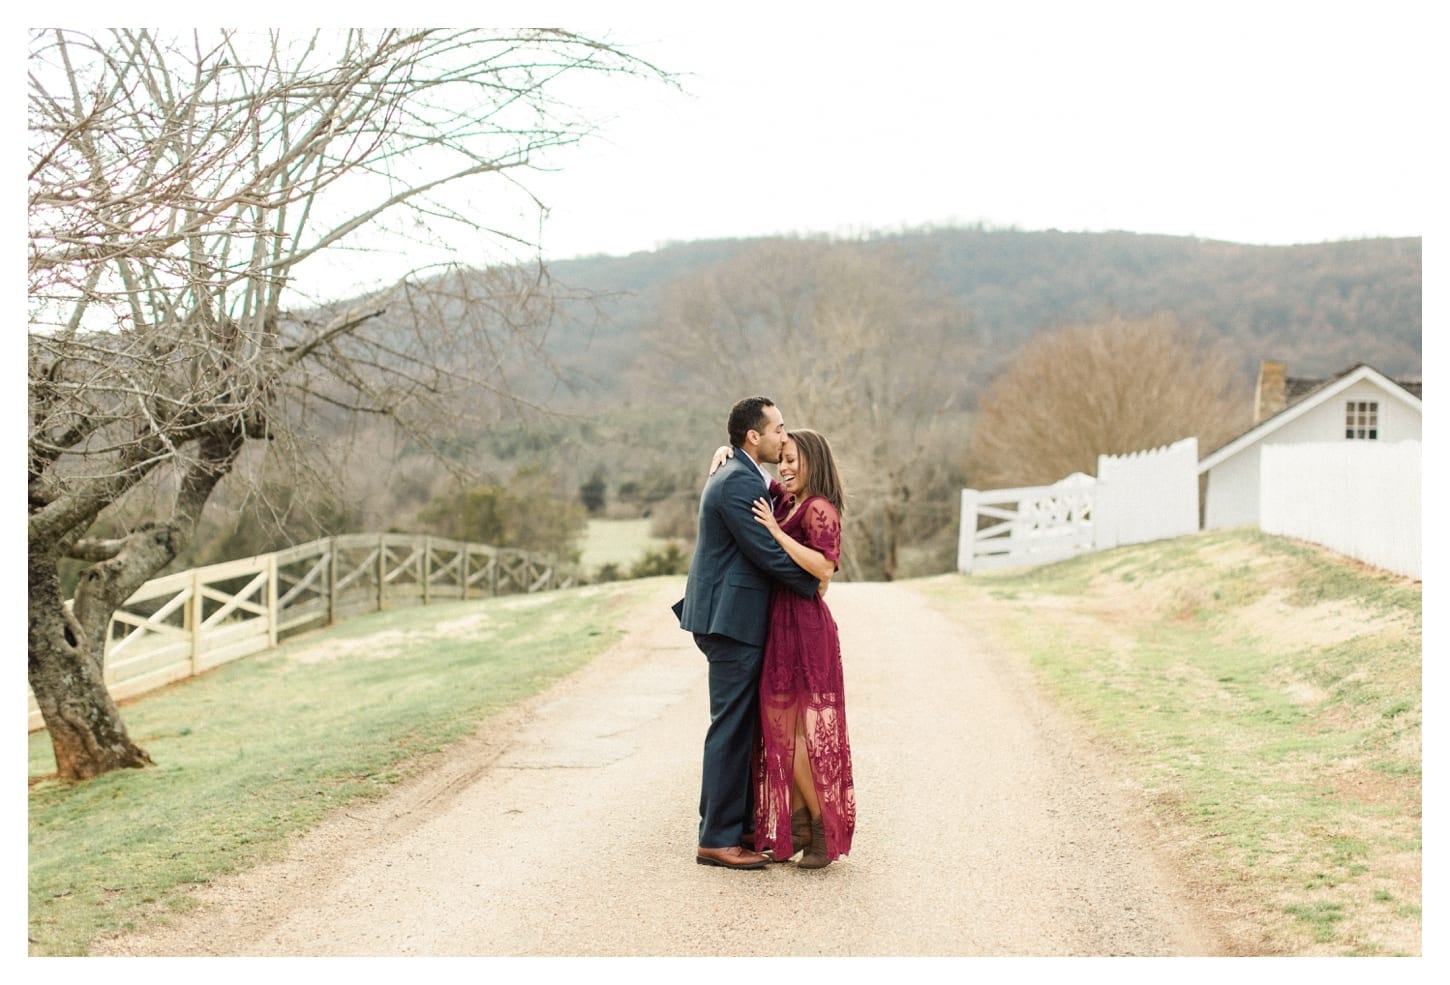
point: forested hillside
(1321, 308)
(887, 343)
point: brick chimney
(1270, 397)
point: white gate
(1142, 496)
(1026, 526)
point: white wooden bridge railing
(183, 624)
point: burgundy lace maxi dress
(801, 681)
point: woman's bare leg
(804, 794)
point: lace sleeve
(822, 528)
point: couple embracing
(777, 778)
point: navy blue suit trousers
(726, 788)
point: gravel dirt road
(566, 827)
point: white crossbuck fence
(180, 625)
(1147, 495)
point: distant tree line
(1320, 307)
(922, 391)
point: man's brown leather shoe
(733, 857)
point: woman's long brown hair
(822, 477)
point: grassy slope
(1264, 698)
(264, 747)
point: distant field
(618, 542)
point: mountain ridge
(1320, 307)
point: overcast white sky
(1267, 122)
(1271, 121)
(1253, 121)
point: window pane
(1361, 419)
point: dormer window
(1362, 420)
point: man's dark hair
(747, 415)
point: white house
(1360, 404)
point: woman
(805, 796)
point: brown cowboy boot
(800, 830)
(815, 856)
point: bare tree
(1108, 387)
(852, 341)
(177, 187)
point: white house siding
(1232, 496)
(1397, 420)
(1233, 484)
(1359, 498)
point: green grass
(266, 746)
(1264, 696)
(1320, 918)
(616, 542)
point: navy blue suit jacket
(728, 588)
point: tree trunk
(66, 676)
(67, 647)
(890, 535)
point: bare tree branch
(180, 188)
(847, 338)
(1109, 387)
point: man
(726, 606)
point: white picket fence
(1146, 495)
(1359, 498)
